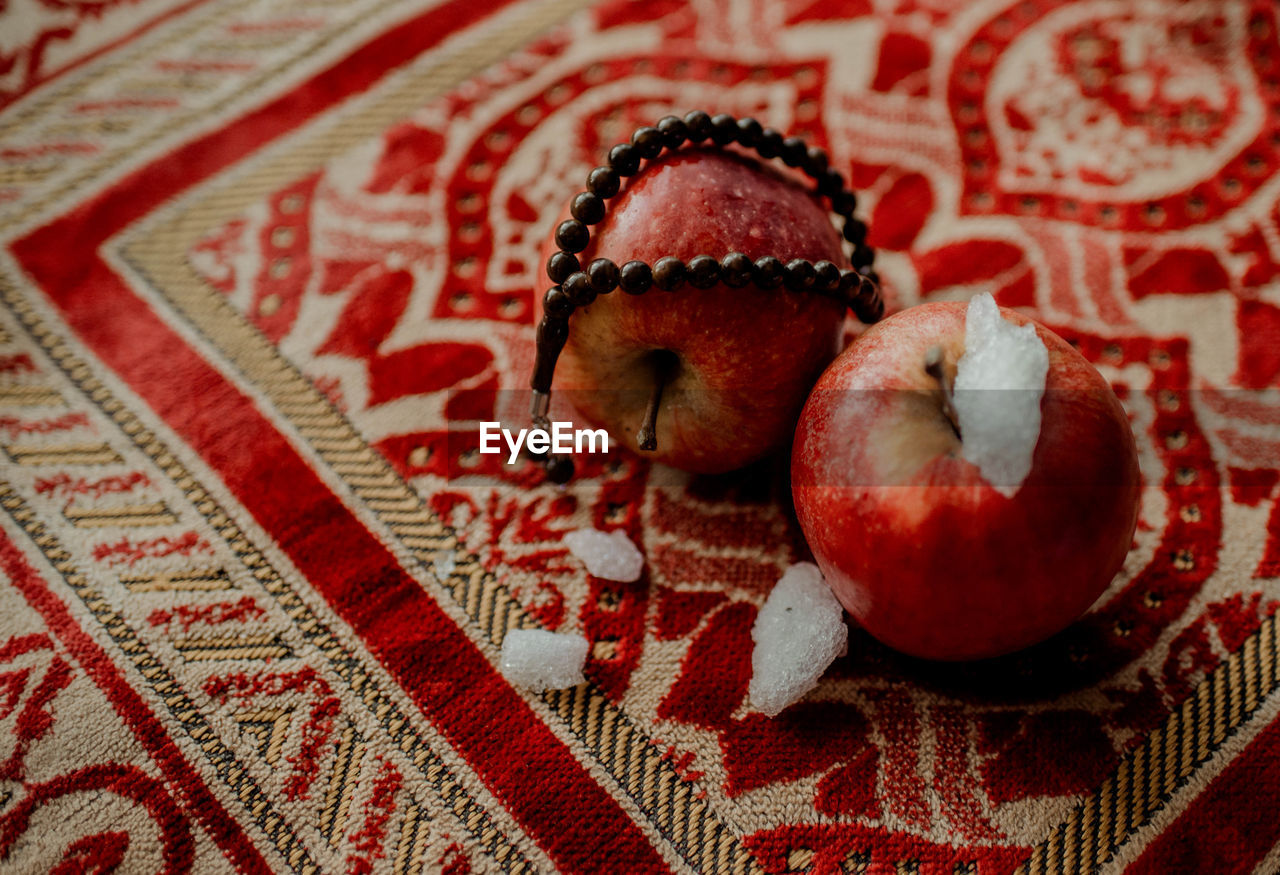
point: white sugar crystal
(444, 564)
(540, 660)
(999, 383)
(609, 555)
(799, 631)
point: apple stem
(935, 366)
(647, 436)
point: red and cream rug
(266, 263)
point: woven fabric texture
(266, 264)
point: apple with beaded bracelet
(734, 285)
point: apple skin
(925, 554)
(747, 357)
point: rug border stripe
(1166, 760)
(98, 306)
(179, 773)
(1252, 828)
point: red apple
(735, 363)
(921, 550)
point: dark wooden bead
(868, 305)
(603, 182)
(850, 283)
(604, 275)
(855, 231)
(844, 202)
(674, 132)
(560, 469)
(624, 159)
(863, 255)
(560, 265)
(572, 235)
(767, 272)
(698, 126)
(668, 273)
(800, 275)
(826, 276)
(872, 275)
(579, 289)
(724, 128)
(830, 182)
(816, 161)
(704, 271)
(749, 131)
(794, 151)
(770, 143)
(735, 270)
(587, 208)
(557, 302)
(648, 142)
(635, 278)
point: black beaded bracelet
(577, 286)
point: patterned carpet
(265, 264)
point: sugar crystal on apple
(799, 631)
(538, 660)
(999, 382)
(610, 555)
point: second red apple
(926, 554)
